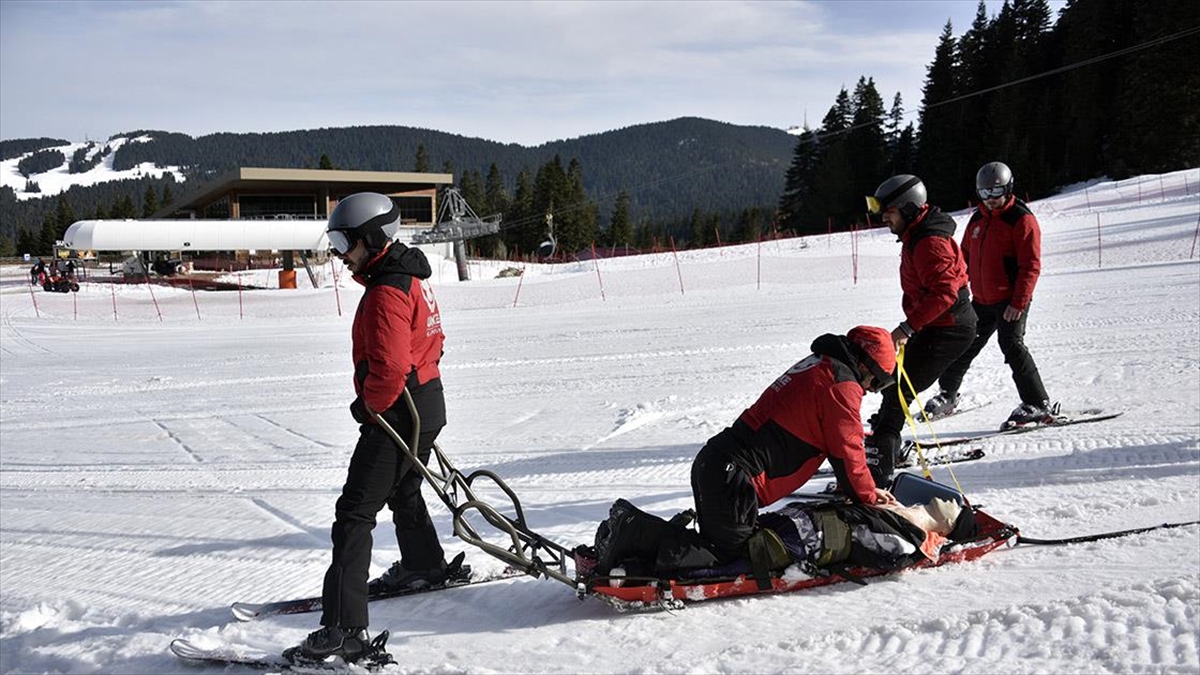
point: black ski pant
(380, 474)
(927, 355)
(1011, 336)
(726, 503)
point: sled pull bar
(1022, 539)
(529, 552)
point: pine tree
(149, 202)
(865, 142)
(806, 161)
(167, 197)
(1157, 125)
(422, 162)
(49, 235)
(470, 186)
(941, 137)
(8, 248)
(64, 217)
(523, 230)
(325, 163)
(26, 242)
(620, 230)
(495, 195)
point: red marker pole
(519, 282)
(34, 297)
(759, 286)
(194, 301)
(114, 298)
(241, 314)
(1099, 248)
(150, 288)
(678, 270)
(596, 261)
(336, 296)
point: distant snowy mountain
(58, 179)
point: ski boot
(348, 644)
(398, 578)
(941, 405)
(1030, 414)
(881, 451)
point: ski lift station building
(250, 211)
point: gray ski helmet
(994, 179)
(369, 216)
(905, 191)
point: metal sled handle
(447, 483)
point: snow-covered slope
(59, 179)
(153, 471)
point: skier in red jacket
(810, 414)
(939, 321)
(396, 344)
(1003, 250)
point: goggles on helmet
(993, 192)
(341, 241)
(873, 206)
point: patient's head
(939, 515)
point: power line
(833, 134)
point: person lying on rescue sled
(809, 414)
(819, 537)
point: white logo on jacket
(433, 325)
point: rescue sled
(648, 593)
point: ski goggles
(873, 206)
(341, 241)
(993, 192)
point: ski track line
(287, 519)
(195, 456)
(206, 414)
(293, 432)
(34, 347)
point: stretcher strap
(912, 423)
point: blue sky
(520, 72)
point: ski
(950, 457)
(956, 412)
(1064, 420)
(246, 611)
(946, 457)
(230, 655)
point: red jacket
(807, 415)
(1003, 249)
(397, 334)
(933, 274)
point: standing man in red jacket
(810, 414)
(1003, 250)
(396, 344)
(939, 323)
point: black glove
(358, 410)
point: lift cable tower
(457, 222)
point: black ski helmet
(994, 180)
(368, 216)
(905, 191)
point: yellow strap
(903, 378)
